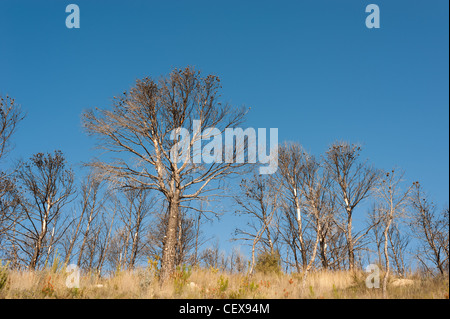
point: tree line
(136, 202)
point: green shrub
(222, 284)
(268, 263)
(180, 278)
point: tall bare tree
(316, 182)
(100, 241)
(9, 204)
(430, 228)
(376, 233)
(144, 125)
(289, 176)
(47, 186)
(392, 204)
(399, 241)
(10, 116)
(353, 182)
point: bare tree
(9, 204)
(213, 257)
(353, 182)
(336, 248)
(430, 228)
(399, 242)
(100, 241)
(238, 262)
(48, 186)
(289, 177)
(145, 125)
(134, 212)
(376, 233)
(443, 236)
(10, 116)
(89, 208)
(392, 206)
(315, 188)
(258, 200)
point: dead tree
(90, 205)
(443, 236)
(392, 202)
(353, 182)
(289, 177)
(376, 233)
(315, 189)
(10, 116)
(258, 200)
(430, 228)
(100, 241)
(9, 206)
(146, 124)
(134, 212)
(238, 262)
(398, 242)
(47, 187)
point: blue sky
(310, 68)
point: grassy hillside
(209, 283)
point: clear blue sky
(310, 68)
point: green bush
(268, 262)
(180, 278)
(222, 284)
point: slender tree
(315, 189)
(47, 186)
(392, 206)
(430, 228)
(134, 212)
(258, 200)
(353, 182)
(10, 116)
(289, 177)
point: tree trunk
(386, 256)
(36, 254)
(351, 253)
(134, 249)
(297, 265)
(300, 230)
(85, 237)
(313, 257)
(323, 253)
(38, 245)
(197, 234)
(170, 241)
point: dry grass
(201, 283)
